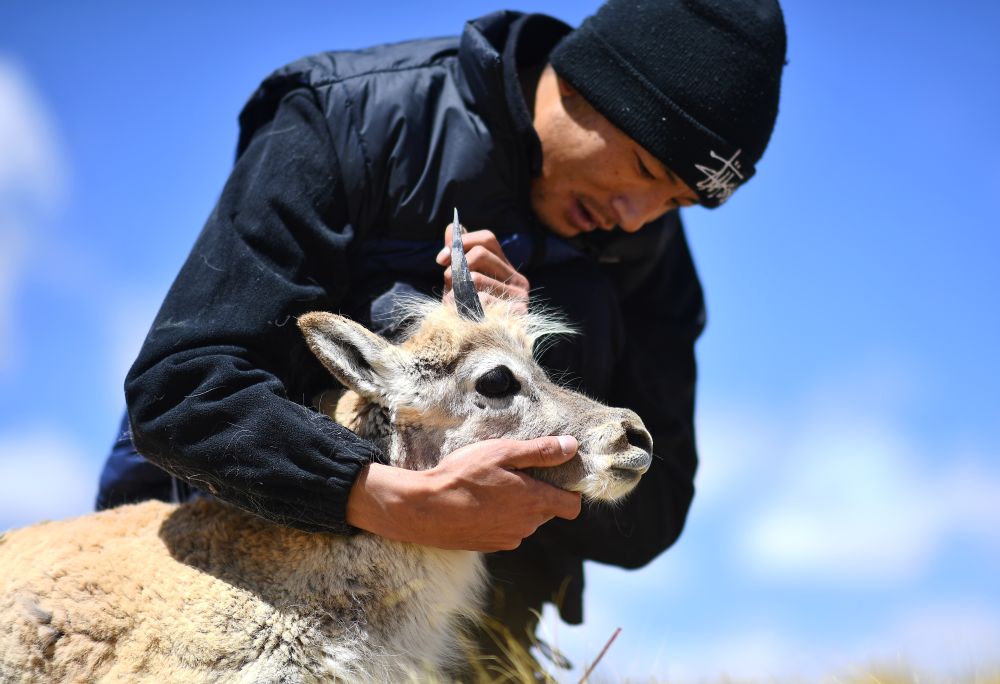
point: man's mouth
(586, 216)
(580, 217)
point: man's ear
(574, 103)
(566, 89)
(357, 357)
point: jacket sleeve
(218, 393)
(663, 317)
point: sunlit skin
(594, 176)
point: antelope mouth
(634, 463)
(600, 476)
(616, 478)
(626, 474)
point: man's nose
(634, 210)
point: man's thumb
(544, 452)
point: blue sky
(849, 412)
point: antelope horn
(466, 297)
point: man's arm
(216, 396)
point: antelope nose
(637, 436)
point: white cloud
(732, 441)
(943, 637)
(127, 322)
(849, 507)
(43, 475)
(32, 186)
(642, 653)
(32, 170)
(753, 654)
(940, 640)
(13, 246)
(840, 489)
(858, 502)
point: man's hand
(492, 273)
(475, 499)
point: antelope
(205, 591)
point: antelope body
(204, 591)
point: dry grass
(520, 666)
(510, 663)
(515, 664)
(871, 675)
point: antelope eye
(498, 382)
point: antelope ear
(357, 357)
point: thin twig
(599, 656)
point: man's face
(593, 175)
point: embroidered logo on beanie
(720, 183)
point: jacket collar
(492, 50)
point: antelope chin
(607, 486)
(598, 476)
(610, 482)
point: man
(568, 154)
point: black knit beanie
(695, 82)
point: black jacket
(348, 167)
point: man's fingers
(487, 502)
(543, 452)
(516, 305)
(478, 238)
(492, 274)
(547, 501)
(481, 260)
(556, 502)
(568, 504)
(492, 286)
(443, 257)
